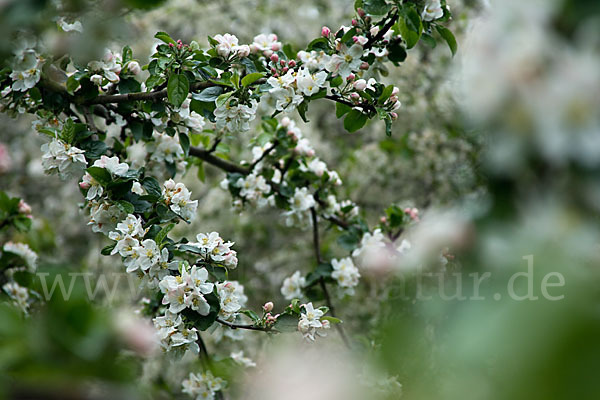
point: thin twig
(243, 326)
(323, 284)
(263, 155)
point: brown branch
(217, 162)
(315, 224)
(243, 326)
(156, 95)
(382, 31)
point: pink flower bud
(292, 63)
(276, 46)
(325, 31)
(350, 77)
(282, 63)
(354, 22)
(354, 96)
(360, 85)
(267, 53)
(395, 91)
(273, 71)
(84, 185)
(171, 44)
(394, 115)
(285, 69)
(383, 220)
(274, 58)
(268, 306)
(24, 208)
(364, 65)
(310, 153)
(285, 121)
(361, 13)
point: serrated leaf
(152, 186)
(68, 131)
(108, 249)
(178, 88)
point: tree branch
(322, 283)
(382, 31)
(243, 326)
(217, 162)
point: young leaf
(209, 95)
(160, 236)
(448, 37)
(251, 78)
(355, 120)
(178, 88)
(410, 27)
(100, 174)
(164, 36)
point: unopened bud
(268, 306)
(364, 65)
(325, 31)
(274, 58)
(292, 63)
(350, 77)
(361, 13)
(354, 22)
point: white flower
(97, 79)
(191, 119)
(433, 10)
(24, 251)
(202, 386)
(177, 197)
(104, 216)
(125, 244)
(309, 83)
(238, 358)
(172, 333)
(132, 226)
(166, 148)
(265, 42)
(25, 80)
(18, 294)
(63, 158)
(187, 290)
(347, 62)
(134, 67)
(345, 273)
(317, 167)
(314, 61)
(282, 81)
(227, 44)
(75, 26)
(235, 118)
(253, 187)
(136, 154)
(292, 286)
(137, 188)
(94, 189)
(231, 294)
(310, 322)
(148, 255)
(285, 98)
(302, 200)
(112, 165)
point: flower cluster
(375, 252)
(311, 322)
(202, 386)
(345, 273)
(27, 68)
(288, 90)
(187, 290)
(234, 116)
(232, 297)
(24, 252)
(177, 197)
(106, 71)
(174, 335)
(228, 45)
(62, 158)
(18, 294)
(293, 285)
(213, 248)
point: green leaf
(164, 36)
(410, 26)
(68, 131)
(126, 55)
(448, 37)
(184, 141)
(152, 186)
(387, 92)
(251, 78)
(332, 320)
(108, 249)
(374, 7)
(100, 174)
(208, 95)
(126, 206)
(178, 88)
(355, 120)
(160, 236)
(302, 109)
(222, 99)
(286, 323)
(250, 314)
(318, 44)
